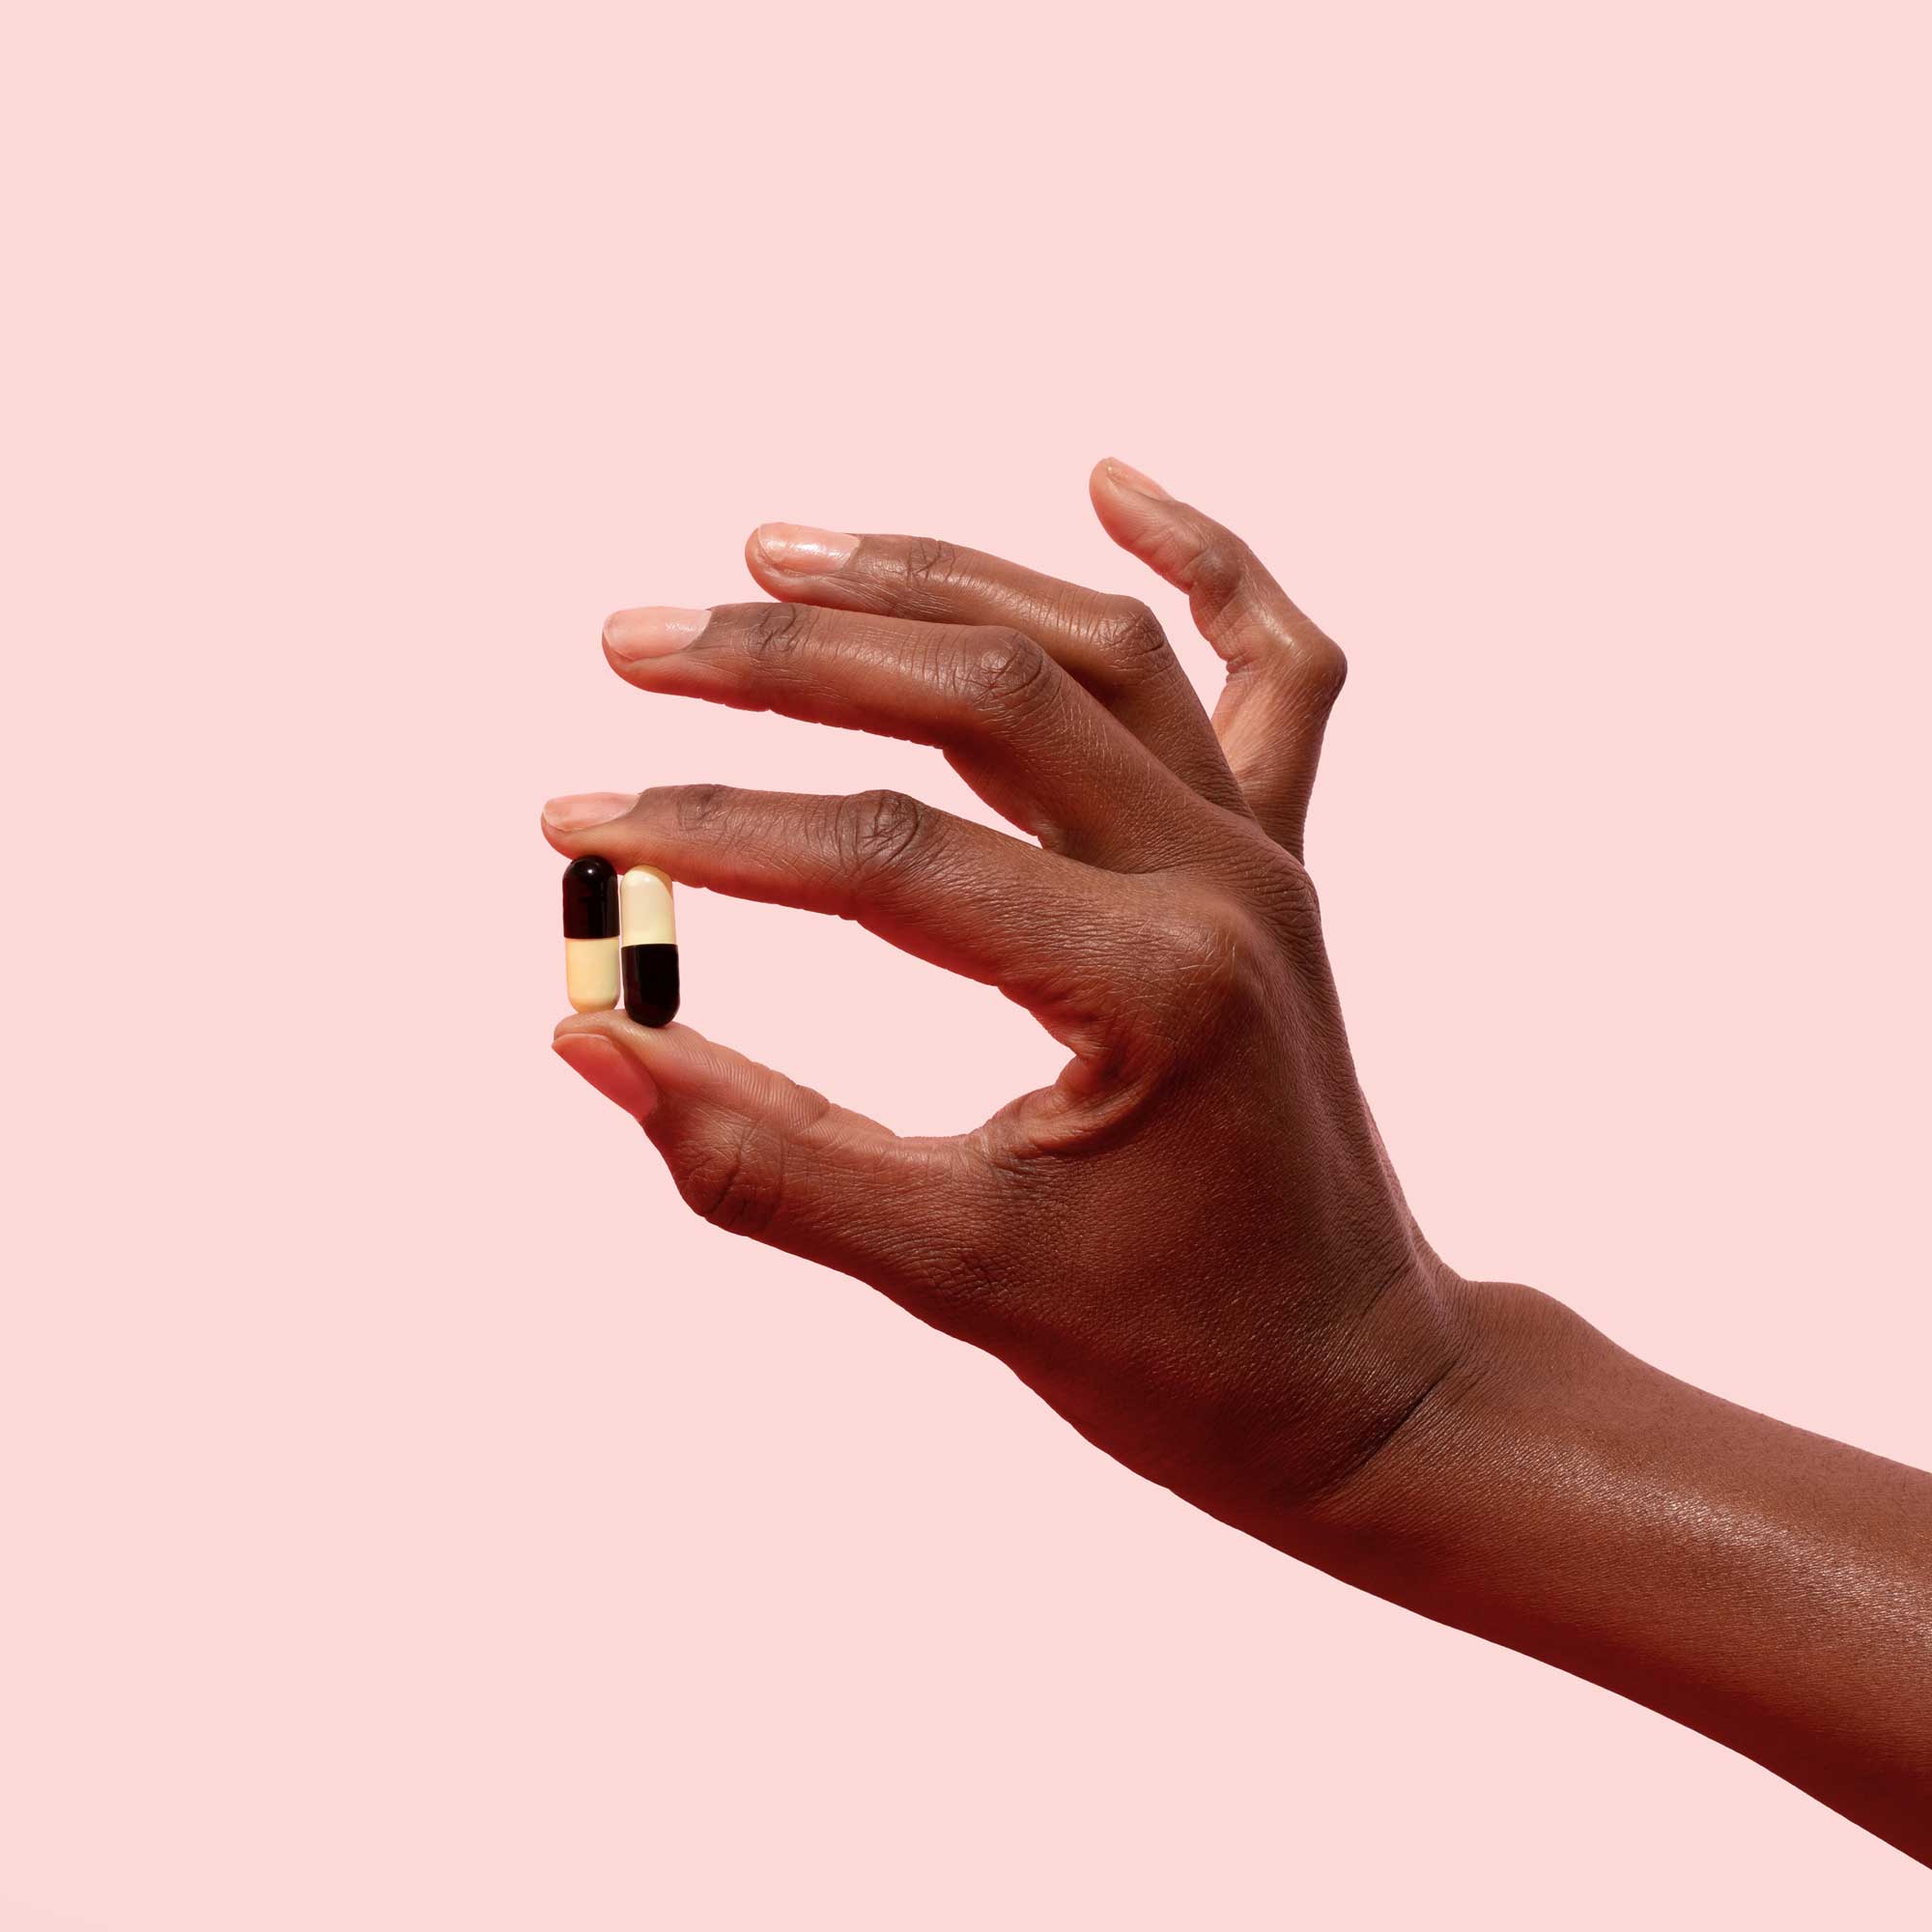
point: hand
(1190, 1245)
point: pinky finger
(1284, 672)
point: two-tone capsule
(619, 941)
(591, 967)
(648, 927)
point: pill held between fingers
(649, 929)
(591, 923)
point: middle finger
(1020, 731)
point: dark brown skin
(1192, 1244)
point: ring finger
(1112, 645)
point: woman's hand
(1190, 1243)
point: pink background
(410, 1516)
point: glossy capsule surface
(649, 927)
(592, 970)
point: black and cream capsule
(590, 968)
(650, 947)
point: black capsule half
(590, 899)
(650, 983)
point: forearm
(1767, 1586)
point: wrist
(1430, 1489)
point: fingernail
(609, 1068)
(800, 548)
(1125, 474)
(588, 808)
(653, 632)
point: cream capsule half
(650, 947)
(591, 974)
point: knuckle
(774, 631)
(1005, 672)
(700, 808)
(926, 560)
(876, 830)
(1278, 887)
(1206, 957)
(1325, 670)
(1294, 895)
(736, 1183)
(1130, 635)
(1219, 571)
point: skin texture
(1192, 1244)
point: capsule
(650, 947)
(590, 968)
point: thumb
(757, 1155)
